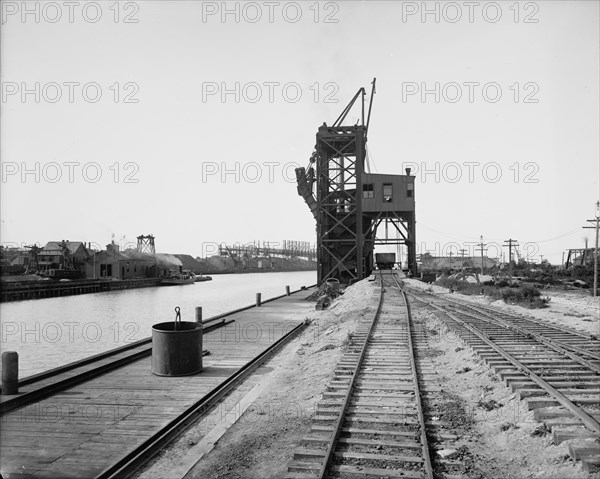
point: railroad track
(556, 369)
(47, 383)
(370, 421)
(569, 338)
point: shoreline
(40, 289)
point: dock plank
(81, 431)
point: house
(15, 256)
(13, 260)
(138, 265)
(114, 264)
(105, 264)
(63, 255)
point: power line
(563, 235)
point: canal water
(54, 331)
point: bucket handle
(177, 318)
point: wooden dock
(79, 432)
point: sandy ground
(573, 308)
(504, 442)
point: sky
(186, 119)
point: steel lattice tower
(349, 204)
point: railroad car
(385, 260)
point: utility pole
(597, 227)
(511, 243)
(481, 248)
(462, 255)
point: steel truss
(346, 235)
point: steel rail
(557, 346)
(583, 416)
(82, 362)
(337, 427)
(564, 329)
(540, 322)
(426, 456)
(103, 355)
(541, 338)
(137, 457)
(106, 354)
(29, 397)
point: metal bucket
(333, 284)
(176, 348)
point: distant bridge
(284, 249)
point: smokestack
(407, 171)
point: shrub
(526, 295)
(460, 286)
(511, 295)
(530, 292)
(494, 294)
